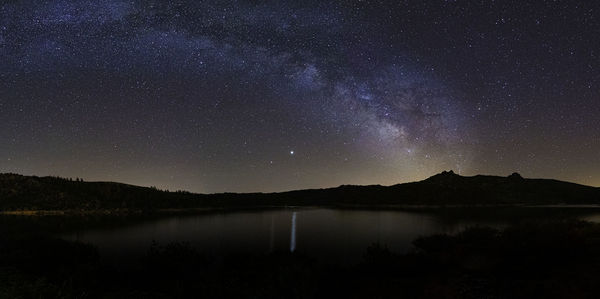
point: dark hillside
(19, 192)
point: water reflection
(328, 234)
(293, 233)
(272, 235)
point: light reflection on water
(293, 232)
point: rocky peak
(515, 176)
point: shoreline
(184, 211)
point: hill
(18, 192)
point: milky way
(214, 96)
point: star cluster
(213, 96)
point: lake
(331, 235)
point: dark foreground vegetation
(18, 193)
(558, 259)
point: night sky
(212, 96)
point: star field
(213, 96)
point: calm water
(339, 236)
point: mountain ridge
(19, 192)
